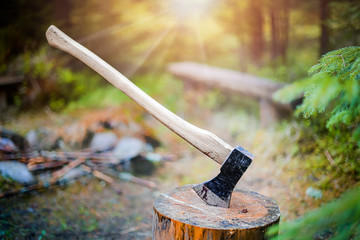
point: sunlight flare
(161, 37)
(200, 42)
(191, 8)
(119, 27)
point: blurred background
(278, 40)
(311, 152)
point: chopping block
(181, 214)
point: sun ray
(184, 9)
(198, 10)
(132, 71)
(119, 27)
(168, 46)
(200, 41)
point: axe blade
(217, 192)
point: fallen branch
(129, 177)
(42, 156)
(44, 166)
(331, 160)
(103, 177)
(56, 175)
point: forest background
(280, 40)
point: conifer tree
(336, 220)
(332, 90)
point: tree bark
(279, 25)
(325, 34)
(274, 35)
(181, 214)
(256, 22)
(285, 30)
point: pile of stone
(43, 158)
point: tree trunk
(181, 214)
(324, 35)
(256, 22)
(284, 30)
(274, 35)
(279, 25)
(61, 12)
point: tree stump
(181, 214)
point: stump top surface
(247, 209)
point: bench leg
(269, 112)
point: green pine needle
(339, 219)
(332, 84)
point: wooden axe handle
(205, 141)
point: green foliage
(157, 86)
(46, 83)
(79, 83)
(331, 107)
(103, 96)
(163, 88)
(332, 89)
(336, 220)
(344, 22)
(7, 184)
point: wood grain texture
(245, 84)
(205, 141)
(181, 214)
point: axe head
(217, 192)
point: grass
(163, 88)
(287, 149)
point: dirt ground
(91, 209)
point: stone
(72, 175)
(314, 193)
(128, 148)
(155, 143)
(32, 139)
(18, 140)
(103, 141)
(6, 145)
(17, 172)
(140, 165)
(41, 139)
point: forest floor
(91, 209)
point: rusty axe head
(217, 192)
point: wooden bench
(262, 89)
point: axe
(235, 161)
